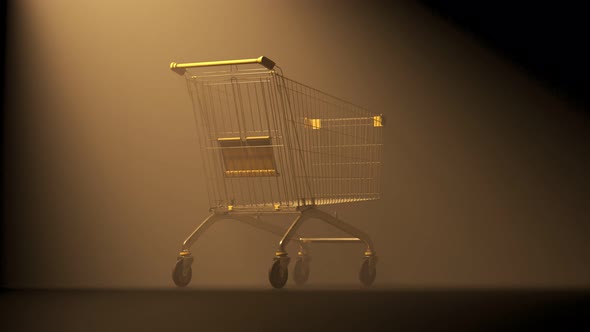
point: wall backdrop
(485, 182)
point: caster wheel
(301, 272)
(278, 274)
(182, 275)
(368, 273)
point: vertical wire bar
(218, 131)
(195, 105)
(275, 141)
(322, 137)
(371, 137)
(259, 129)
(281, 188)
(246, 109)
(308, 111)
(324, 113)
(364, 168)
(293, 151)
(356, 152)
(333, 142)
(256, 180)
(305, 179)
(362, 153)
(196, 102)
(205, 112)
(336, 189)
(215, 157)
(260, 179)
(239, 113)
(214, 154)
(228, 103)
(248, 181)
(302, 172)
(288, 125)
(277, 112)
(298, 114)
(206, 126)
(314, 134)
(246, 160)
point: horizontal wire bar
(329, 239)
(242, 147)
(237, 82)
(350, 163)
(336, 178)
(371, 118)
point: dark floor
(294, 310)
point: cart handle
(179, 68)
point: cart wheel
(368, 273)
(301, 272)
(181, 275)
(278, 274)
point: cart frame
(232, 157)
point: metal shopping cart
(271, 145)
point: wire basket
(269, 142)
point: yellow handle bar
(180, 68)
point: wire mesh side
(314, 148)
(340, 144)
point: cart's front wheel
(301, 271)
(368, 272)
(278, 274)
(182, 273)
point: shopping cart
(271, 145)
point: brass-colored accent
(277, 206)
(377, 121)
(184, 253)
(313, 123)
(230, 207)
(181, 67)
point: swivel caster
(278, 273)
(182, 272)
(301, 271)
(368, 271)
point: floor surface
(346, 309)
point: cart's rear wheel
(368, 273)
(278, 274)
(182, 275)
(301, 271)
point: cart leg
(290, 233)
(198, 232)
(182, 272)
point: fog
(485, 182)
